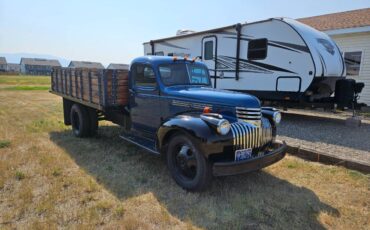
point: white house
(351, 31)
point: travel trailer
(278, 59)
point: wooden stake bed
(95, 88)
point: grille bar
(248, 114)
(247, 135)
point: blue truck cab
(200, 131)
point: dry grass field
(52, 180)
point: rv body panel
(296, 55)
(326, 54)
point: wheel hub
(182, 157)
(186, 161)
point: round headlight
(277, 117)
(223, 127)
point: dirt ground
(50, 179)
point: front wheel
(190, 169)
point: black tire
(80, 120)
(93, 122)
(189, 168)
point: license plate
(243, 154)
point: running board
(144, 143)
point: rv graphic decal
(328, 46)
(322, 63)
(227, 64)
(282, 45)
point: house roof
(2, 61)
(341, 20)
(118, 66)
(40, 62)
(85, 64)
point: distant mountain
(16, 57)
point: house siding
(37, 66)
(3, 64)
(358, 42)
(3, 67)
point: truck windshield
(183, 74)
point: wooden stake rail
(103, 88)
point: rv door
(209, 55)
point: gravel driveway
(327, 135)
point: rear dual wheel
(84, 121)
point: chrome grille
(247, 135)
(248, 114)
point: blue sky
(113, 31)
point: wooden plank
(120, 89)
(121, 83)
(93, 94)
(84, 85)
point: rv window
(257, 49)
(353, 62)
(160, 53)
(208, 50)
(143, 75)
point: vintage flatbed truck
(167, 106)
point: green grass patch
(355, 174)
(119, 211)
(19, 175)
(291, 164)
(4, 143)
(45, 125)
(57, 172)
(27, 87)
(24, 80)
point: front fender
(206, 136)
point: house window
(144, 76)
(160, 53)
(208, 50)
(353, 62)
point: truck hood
(207, 95)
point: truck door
(144, 99)
(209, 55)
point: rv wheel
(189, 168)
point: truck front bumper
(269, 158)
